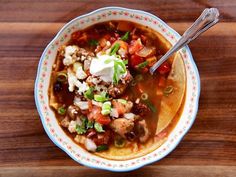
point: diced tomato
(135, 60)
(104, 120)
(162, 81)
(135, 46)
(95, 114)
(164, 68)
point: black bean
(57, 87)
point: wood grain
(209, 149)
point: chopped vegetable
(104, 120)
(93, 42)
(61, 110)
(102, 147)
(89, 93)
(164, 68)
(106, 108)
(125, 37)
(142, 65)
(81, 129)
(168, 90)
(135, 46)
(123, 101)
(135, 60)
(101, 98)
(98, 127)
(146, 51)
(89, 124)
(119, 142)
(151, 60)
(114, 49)
(62, 77)
(119, 69)
(150, 105)
(144, 96)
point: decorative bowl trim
(49, 121)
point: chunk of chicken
(122, 126)
(117, 90)
(65, 122)
(143, 137)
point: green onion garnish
(142, 65)
(123, 101)
(89, 93)
(125, 62)
(106, 108)
(89, 124)
(62, 77)
(98, 127)
(144, 96)
(168, 90)
(102, 147)
(119, 142)
(115, 48)
(150, 105)
(61, 110)
(101, 98)
(125, 37)
(93, 42)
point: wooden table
(209, 149)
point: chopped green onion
(101, 98)
(89, 124)
(119, 69)
(168, 90)
(123, 101)
(144, 96)
(142, 65)
(133, 83)
(150, 105)
(102, 147)
(93, 42)
(115, 48)
(89, 93)
(106, 108)
(125, 62)
(125, 37)
(62, 77)
(119, 142)
(98, 127)
(61, 110)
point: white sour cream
(105, 70)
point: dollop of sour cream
(103, 67)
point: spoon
(208, 18)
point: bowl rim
(174, 145)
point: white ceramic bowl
(49, 121)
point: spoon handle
(206, 20)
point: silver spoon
(208, 18)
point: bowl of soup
(97, 100)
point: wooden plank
(63, 11)
(160, 171)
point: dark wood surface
(209, 149)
